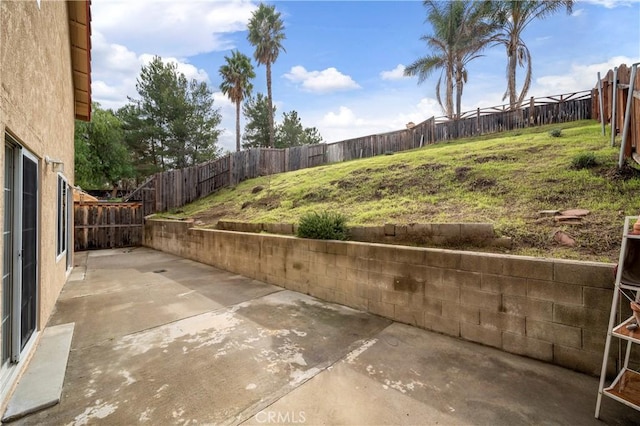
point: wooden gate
(104, 225)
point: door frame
(8, 371)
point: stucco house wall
(38, 107)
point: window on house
(62, 235)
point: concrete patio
(165, 340)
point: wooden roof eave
(80, 40)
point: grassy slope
(503, 179)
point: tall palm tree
(460, 32)
(266, 33)
(513, 16)
(236, 83)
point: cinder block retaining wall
(478, 234)
(552, 310)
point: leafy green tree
(291, 133)
(256, 130)
(236, 83)
(173, 124)
(312, 136)
(101, 156)
(461, 30)
(266, 34)
(513, 17)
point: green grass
(503, 179)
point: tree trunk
(270, 100)
(512, 52)
(238, 126)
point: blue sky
(342, 69)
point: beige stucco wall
(548, 309)
(37, 108)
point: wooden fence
(174, 189)
(103, 225)
(616, 91)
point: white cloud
(171, 28)
(580, 77)
(577, 12)
(189, 71)
(395, 74)
(325, 81)
(609, 4)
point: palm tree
(266, 33)
(236, 83)
(461, 32)
(513, 16)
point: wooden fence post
(532, 114)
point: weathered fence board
(622, 89)
(101, 225)
(175, 188)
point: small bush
(585, 160)
(323, 226)
(555, 133)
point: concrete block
(358, 233)
(409, 256)
(395, 298)
(286, 229)
(318, 246)
(401, 232)
(447, 259)
(389, 229)
(481, 262)
(529, 308)
(418, 231)
(357, 302)
(357, 275)
(322, 293)
(590, 274)
(555, 292)
(504, 284)
(491, 302)
(597, 298)
(480, 334)
(441, 292)
(326, 282)
(538, 269)
(392, 268)
(357, 249)
(427, 274)
(476, 231)
(443, 325)
(381, 308)
(367, 292)
(594, 341)
(337, 273)
(527, 346)
(380, 252)
(381, 281)
(408, 284)
(428, 305)
(408, 316)
(453, 310)
(555, 333)
(451, 231)
(578, 359)
(338, 248)
(464, 279)
(502, 322)
(579, 316)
